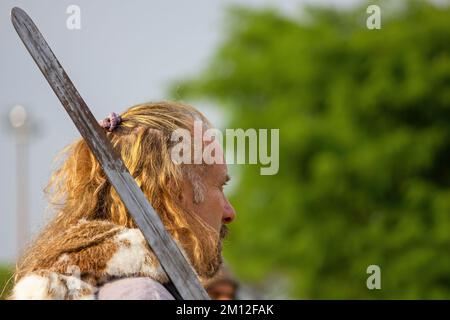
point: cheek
(215, 198)
(218, 206)
(211, 208)
(217, 203)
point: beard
(222, 235)
(223, 232)
(216, 259)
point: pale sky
(126, 52)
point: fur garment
(90, 254)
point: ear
(181, 197)
(176, 186)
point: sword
(185, 284)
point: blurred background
(363, 114)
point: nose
(229, 213)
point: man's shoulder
(135, 288)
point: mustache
(224, 230)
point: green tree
(6, 281)
(364, 147)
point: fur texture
(89, 255)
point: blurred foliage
(364, 147)
(6, 281)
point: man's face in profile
(215, 209)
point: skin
(215, 210)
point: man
(92, 248)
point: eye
(225, 182)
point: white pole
(19, 123)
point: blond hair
(79, 189)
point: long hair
(78, 188)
